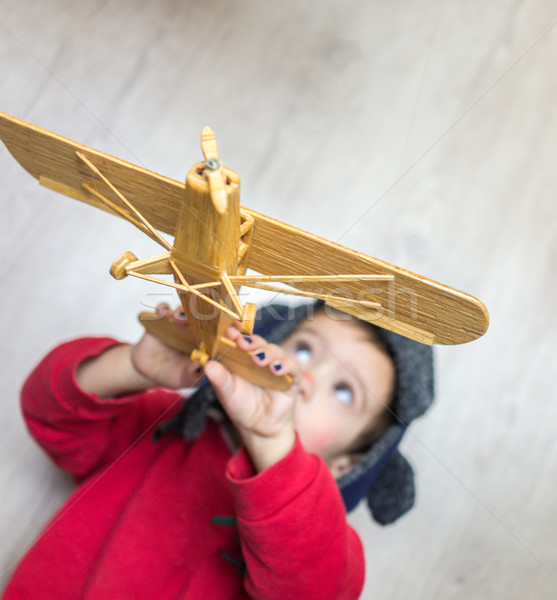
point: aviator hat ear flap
(393, 493)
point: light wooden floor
(422, 133)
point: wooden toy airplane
(216, 241)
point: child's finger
(163, 310)
(246, 342)
(285, 366)
(266, 354)
(220, 378)
(179, 315)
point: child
(199, 519)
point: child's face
(347, 383)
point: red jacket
(144, 520)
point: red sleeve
(80, 432)
(292, 524)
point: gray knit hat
(383, 475)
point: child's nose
(306, 385)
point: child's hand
(126, 369)
(263, 417)
(160, 365)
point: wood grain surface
(410, 304)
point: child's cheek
(320, 440)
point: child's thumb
(221, 379)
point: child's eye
(343, 393)
(303, 352)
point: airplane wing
(54, 161)
(405, 303)
(412, 305)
